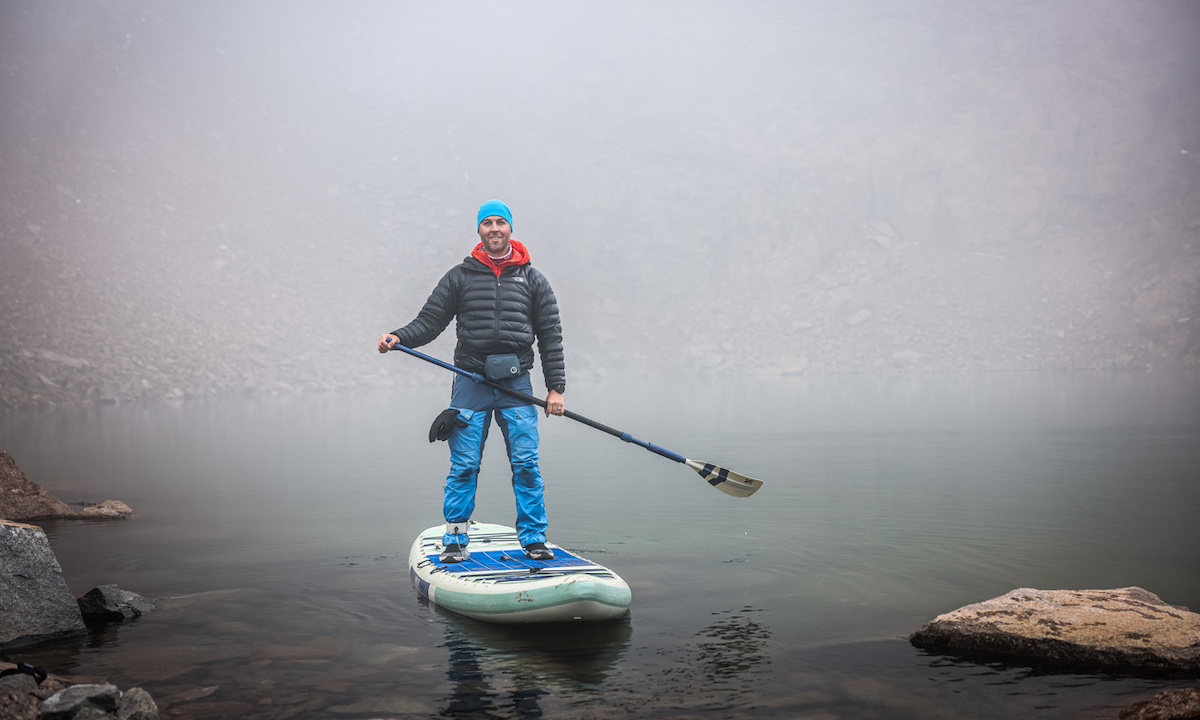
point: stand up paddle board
(498, 583)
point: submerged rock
(1178, 704)
(1121, 630)
(93, 702)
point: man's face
(494, 233)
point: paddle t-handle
(727, 481)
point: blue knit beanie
(493, 207)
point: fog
(201, 199)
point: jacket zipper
(496, 320)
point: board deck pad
(503, 562)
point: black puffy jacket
(503, 314)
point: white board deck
(499, 584)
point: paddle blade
(727, 481)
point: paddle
(727, 481)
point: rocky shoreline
(26, 693)
(38, 608)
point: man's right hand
(387, 341)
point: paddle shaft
(542, 403)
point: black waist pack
(498, 368)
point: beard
(496, 245)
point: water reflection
(505, 670)
(720, 667)
(732, 650)
(61, 655)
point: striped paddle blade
(727, 481)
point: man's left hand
(554, 403)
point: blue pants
(477, 404)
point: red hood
(520, 256)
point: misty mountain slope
(883, 305)
(238, 200)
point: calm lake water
(274, 534)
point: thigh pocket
(522, 428)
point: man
(502, 305)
